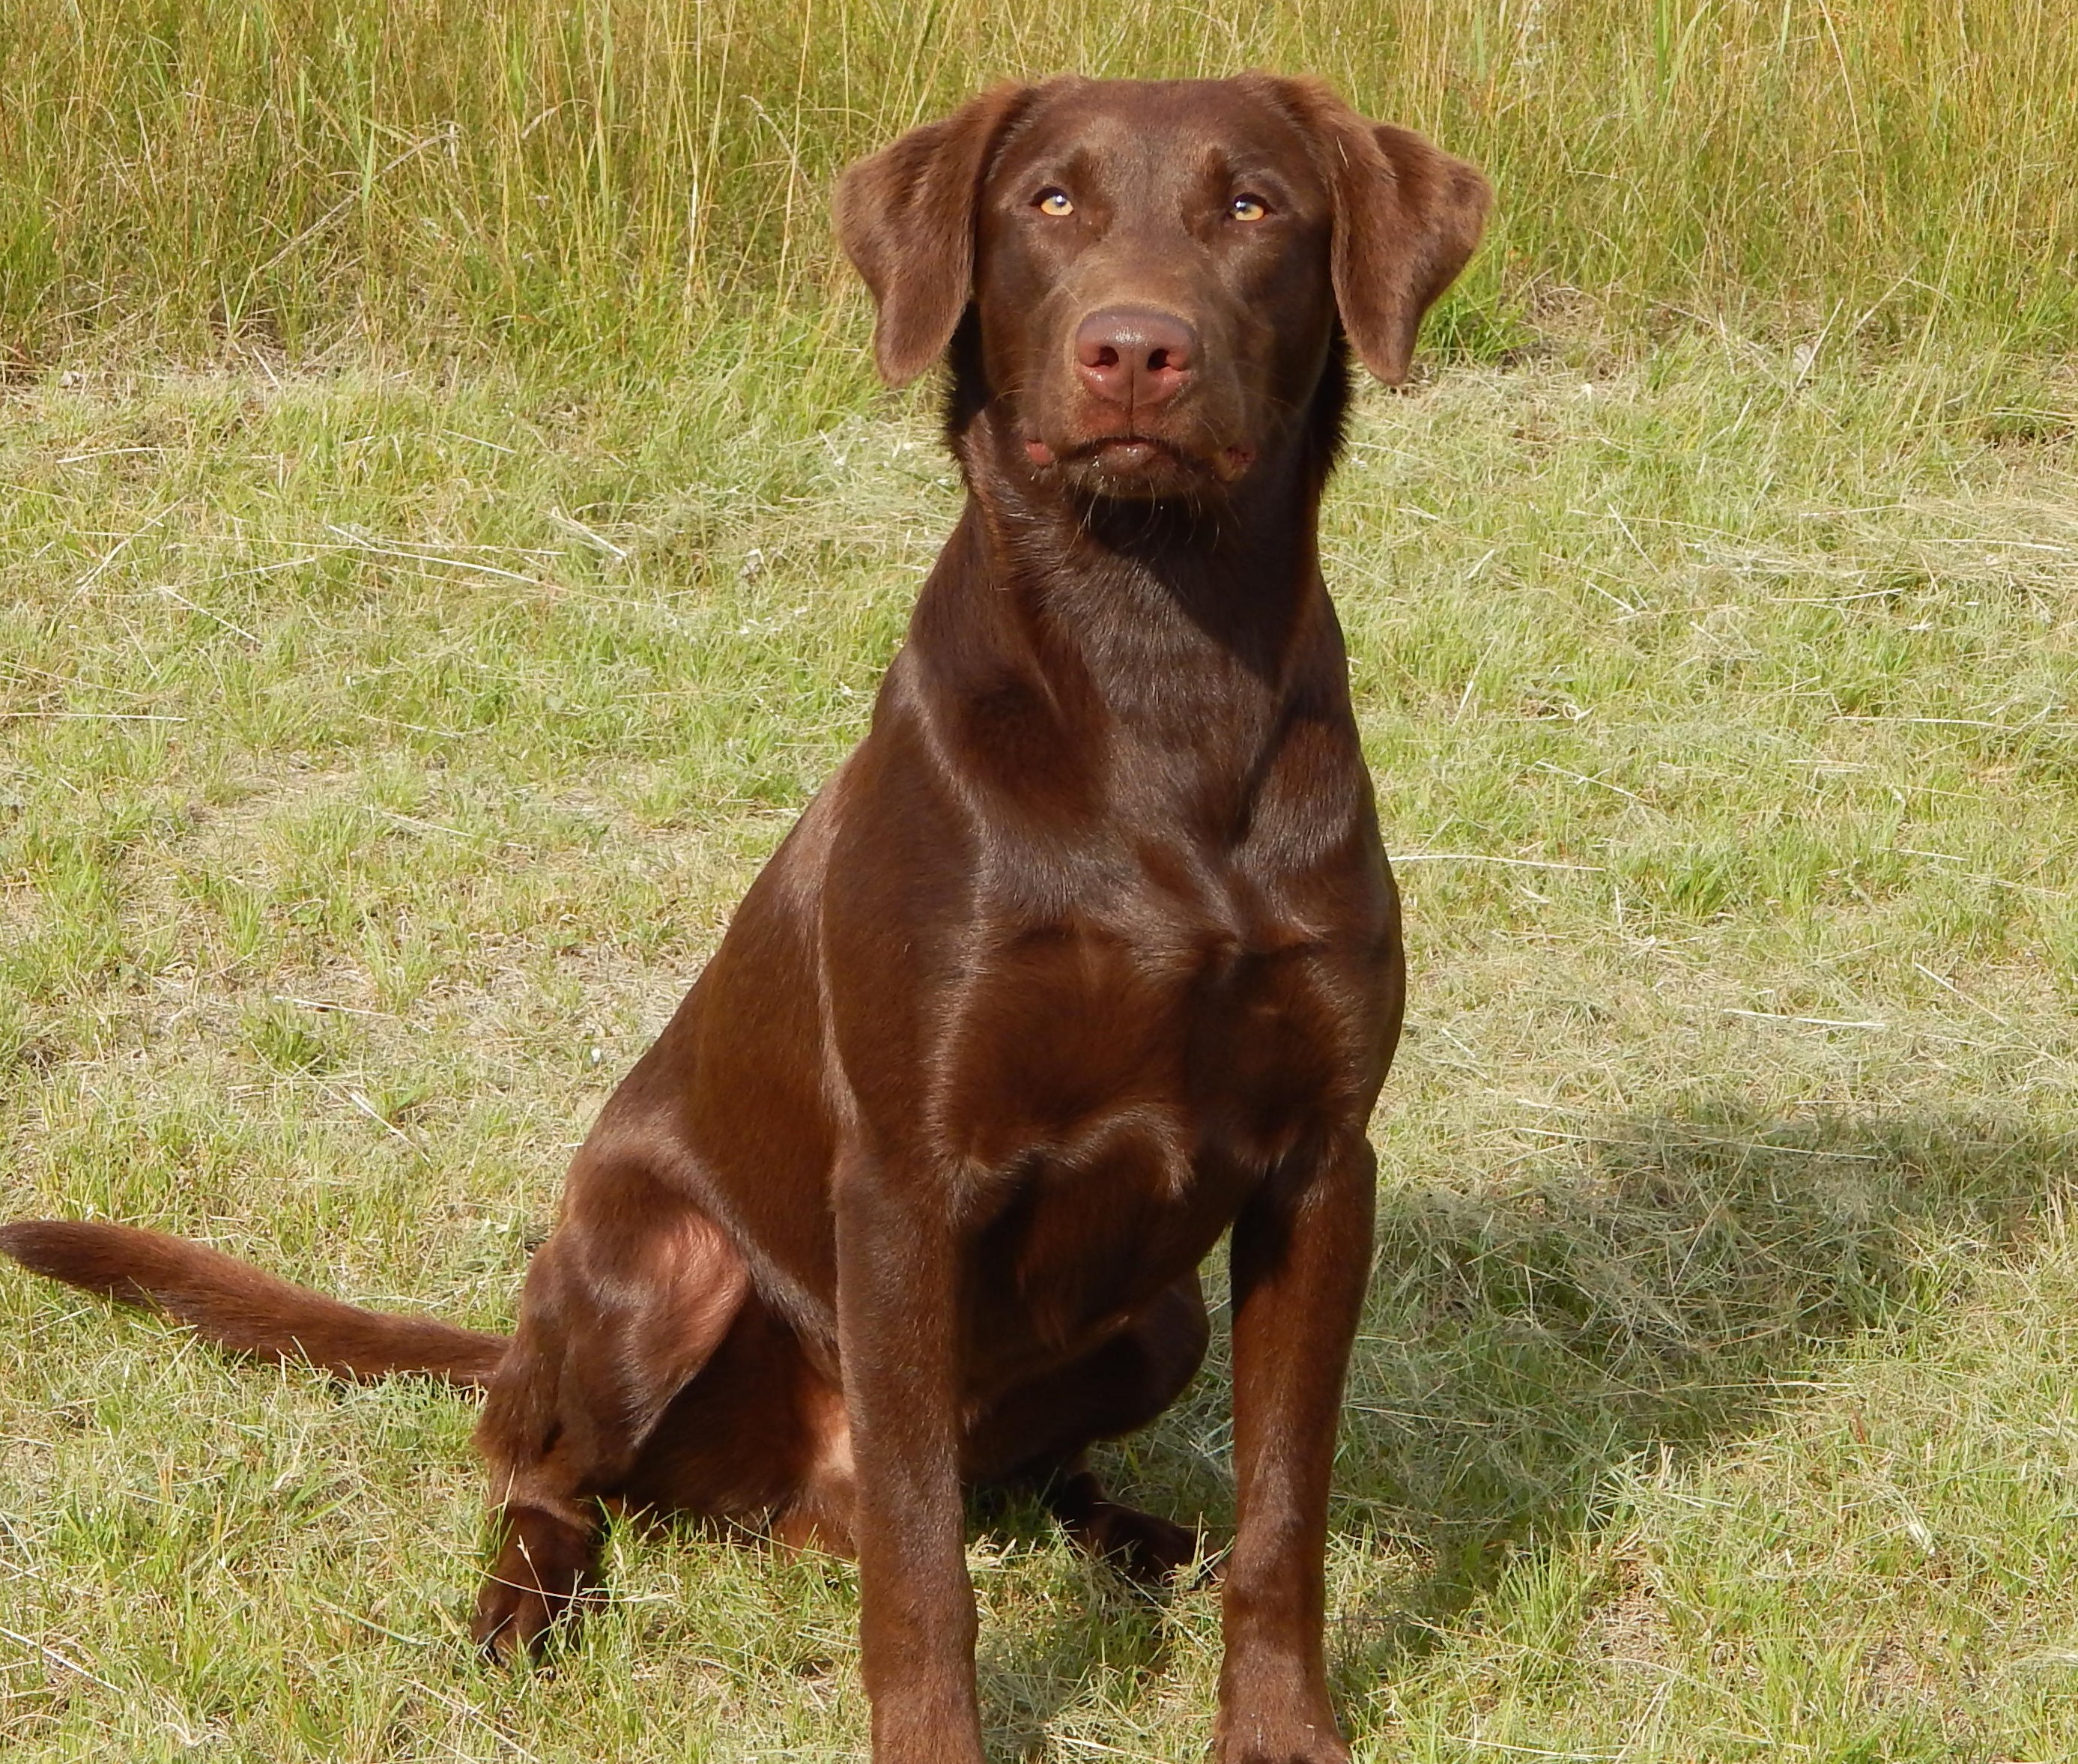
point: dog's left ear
(1408, 218)
(906, 219)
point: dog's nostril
(1106, 358)
(1158, 359)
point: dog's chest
(1127, 1075)
(1183, 1020)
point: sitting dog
(1088, 954)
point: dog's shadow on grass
(1650, 1292)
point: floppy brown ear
(1408, 218)
(906, 219)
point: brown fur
(234, 1303)
(1086, 955)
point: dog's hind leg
(1035, 1434)
(623, 1306)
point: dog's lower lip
(1128, 450)
(1133, 450)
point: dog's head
(1157, 271)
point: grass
(612, 179)
(447, 534)
(383, 752)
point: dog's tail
(230, 1302)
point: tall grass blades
(620, 176)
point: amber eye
(1248, 208)
(1053, 201)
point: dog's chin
(1139, 468)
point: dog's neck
(1172, 583)
(1159, 612)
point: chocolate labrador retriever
(1086, 955)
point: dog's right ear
(906, 219)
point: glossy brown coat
(1088, 954)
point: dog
(1088, 954)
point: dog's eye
(1053, 201)
(1248, 208)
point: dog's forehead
(1144, 132)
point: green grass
(613, 179)
(384, 751)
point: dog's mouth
(1145, 462)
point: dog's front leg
(898, 1324)
(1301, 1259)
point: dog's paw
(1144, 1547)
(546, 1570)
(1277, 1718)
(1304, 1745)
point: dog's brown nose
(1133, 357)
